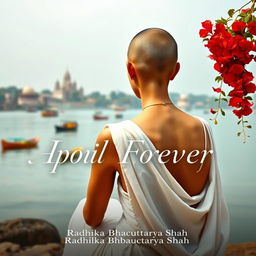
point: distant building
(183, 102)
(9, 102)
(67, 91)
(28, 98)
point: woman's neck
(153, 93)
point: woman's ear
(176, 71)
(131, 70)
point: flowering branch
(231, 48)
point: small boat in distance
(31, 109)
(74, 153)
(117, 108)
(19, 143)
(66, 127)
(118, 115)
(49, 113)
(99, 116)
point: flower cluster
(232, 47)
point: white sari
(155, 201)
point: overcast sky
(40, 39)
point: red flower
(217, 67)
(231, 51)
(250, 88)
(246, 111)
(235, 102)
(247, 77)
(238, 113)
(207, 25)
(252, 27)
(246, 10)
(220, 28)
(218, 90)
(246, 103)
(245, 45)
(229, 78)
(213, 111)
(237, 69)
(242, 111)
(203, 33)
(238, 26)
(236, 93)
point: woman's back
(169, 128)
(155, 199)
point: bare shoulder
(110, 155)
(105, 134)
(193, 122)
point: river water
(30, 190)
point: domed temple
(28, 98)
(67, 91)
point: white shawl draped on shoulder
(155, 201)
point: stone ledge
(242, 249)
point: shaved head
(153, 49)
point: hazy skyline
(40, 39)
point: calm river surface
(32, 191)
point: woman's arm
(101, 180)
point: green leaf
(239, 121)
(205, 39)
(218, 78)
(238, 134)
(248, 97)
(222, 20)
(223, 93)
(247, 34)
(231, 12)
(224, 99)
(243, 14)
(216, 99)
(215, 121)
(245, 122)
(247, 18)
(249, 126)
(222, 112)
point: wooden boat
(118, 115)
(117, 108)
(67, 126)
(74, 152)
(99, 116)
(20, 143)
(31, 109)
(49, 113)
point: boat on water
(99, 116)
(118, 115)
(49, 113)
(117, 108)
(19, 143)
(31, 109)
(66, 127)
(72, 154)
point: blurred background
(63, 77)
